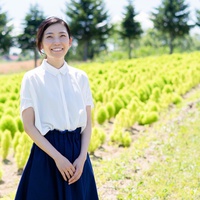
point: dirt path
(13, 67)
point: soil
(15, 67)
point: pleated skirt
(41, 179)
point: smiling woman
(55, 44)
(55, 106)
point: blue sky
(17, 9)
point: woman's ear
(70, 41)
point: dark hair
(44, 25)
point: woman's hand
(78, 165)
(66, 169)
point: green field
(145, 142)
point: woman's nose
(56, 40)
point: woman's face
(56, 42)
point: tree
(27, 40)
(171, 18)
(88, 21)
(198, 17)
(6, 40)
(131, 29)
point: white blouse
(58, 96)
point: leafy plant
(5, 143)
(22, 150)
(101, 115)
(8, 123)
(121, 137)
(97, 139)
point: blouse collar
(54, 71)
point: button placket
(64, 100)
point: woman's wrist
(83, 156)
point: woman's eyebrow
(61, 32)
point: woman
(55, 108)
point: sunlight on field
(145, 127)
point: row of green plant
(125, 93)
(162, 163)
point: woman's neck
(57, 63)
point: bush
(122, 138)
(19, 124)
(101, 115)
(125, 118)
(16, 140)
(167, 89)
(8, 123)
(148, 117)
(9, 111)
(176, 99)
(23, 150)
(155, 94)
(97, 139)
(3, 98)
(110, 108)
(5, 143)
(152, 106)
(118, 103)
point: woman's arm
(85, 141)
(65, 167)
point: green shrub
(148, 117)
(155, 94)
(152, 106)
(3, 98)
(14, 97)
(99, 96)
(120, 85)
(176, 99)
(126, 139)
(97, 139)
(110, 108)
(125, 118)
(167, 89)
(122, 138)
(19, 124)
(23, 150)
(16, 140)
(9, 111)
(8, 123)
(1, 107)
(6, 141)
(101, 115)
(118, 103)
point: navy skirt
(41, 179)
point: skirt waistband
(77, 130)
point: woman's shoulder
(33, 72)
(78, 73)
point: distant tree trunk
(85, 53)
(35, 57)
(171, 46)
(130, 45)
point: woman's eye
(63, 35)
(49, 36)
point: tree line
(93, 31)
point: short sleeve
(26, 100)
(87, 92)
